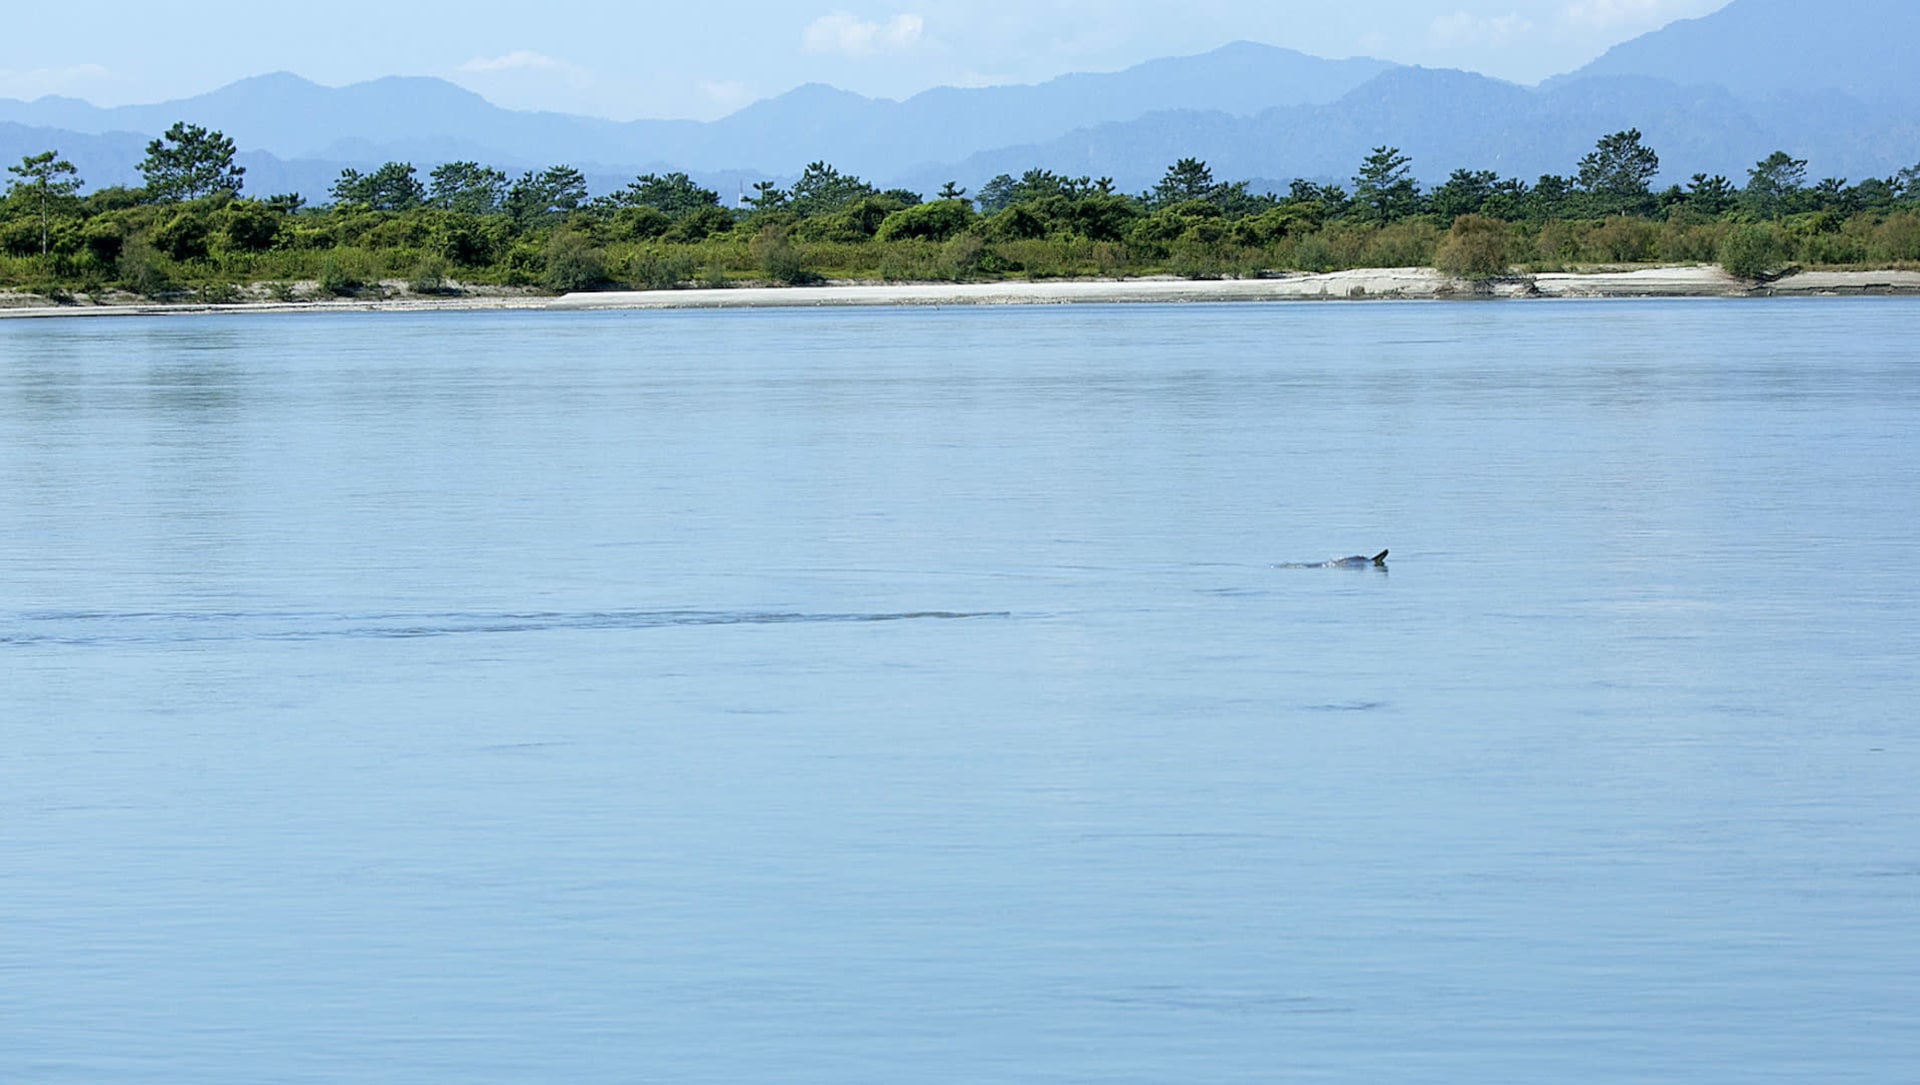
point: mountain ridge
(290, 117)
(1256, 112)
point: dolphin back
(1357, 561)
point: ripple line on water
(93, 628)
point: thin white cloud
(728, 94)
(524, 79)
(1617, 14)
(1464, 29)
(517, 61)
(845, 33)
(33, 83)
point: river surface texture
(917, 696)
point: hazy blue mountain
(427, 121)
(104, 158)
(1833, 84)
(290, 117)
(1452, 119)
(1713, 95)
(1781, 48)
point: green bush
(698, 225)
(777, 257)
(464, 239)
(20, 237)
(337, 278)
(1475, 248)
(961, 257)
(246, 226)
(1623, 240)
(104, 240)
(857, 221)
(1016, 223)
(429, 276)
(1403, 244)
(572, 263)
(1897, 239)
(640, 223)
(1754, 251)
(142, 271)
(183, 235)
(936, 221)
(1690, 243)
(657, 269)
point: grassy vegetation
(543, 232)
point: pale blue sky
(626, 60)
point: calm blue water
(898, 696)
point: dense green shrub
(1016, 223)
(833, 225)
(778, 258)
(1404, 244)
(247, 226)
(142, 271)
(340, 275)
(1897, 239)
(935, 221)
(429, 276)
(1690, 243)
(1475, 248)
(656, 268)
(20, 237)
(698, 225)
(1754, 251)
(571, 263)
(1623, 240)
(856, 221)
(183, 235)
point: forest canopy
(191, 228)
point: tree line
(189, 227)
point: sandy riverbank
(1703, 281)
(1370, 284)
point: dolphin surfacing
(1357, 561)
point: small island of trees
(189, 231)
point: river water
(916, 695)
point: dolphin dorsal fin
(1380, 558)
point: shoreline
(1372, 284)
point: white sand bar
(1377, 283)
(1702, 281)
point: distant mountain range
(1714, 94)
(1770, 49)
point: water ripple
(88, 628)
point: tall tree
(1774, 182)
(392, 187)
(673, 195)
(467, 187)
(1617, 173)
(44, 180)
(1709, 195)
(1186, 180)
(1465, 193)
(1833, 194)
(537, 197)
(1906, 184)
(1384, 189)
(822, 190)
(767, 195)
(189, 162)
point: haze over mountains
(1714, 94)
